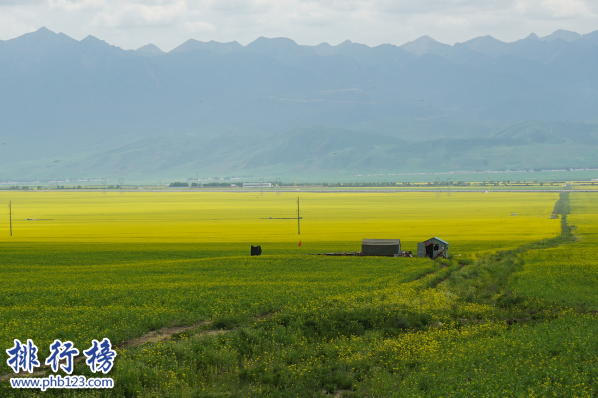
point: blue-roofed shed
(433, 248)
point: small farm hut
(433, 248)
(380, 247)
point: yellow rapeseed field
(469, 221)
(566, 273)
(117, 266)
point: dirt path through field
(154, 336)
(163, 334)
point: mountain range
(273, 108)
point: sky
(131, 24)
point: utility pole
(10, 215)
(298, 218)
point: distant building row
(257, 185)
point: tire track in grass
(495, 269)
(153, 336)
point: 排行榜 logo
(23, 356)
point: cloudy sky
(167, 23)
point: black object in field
(256, 250)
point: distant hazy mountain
(488, 45)
(564, 35)
(149, 49)
(426, 45)
(220, 48)
(123, 112)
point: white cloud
(437, 7)
(554, 9)
(133, 15)
(12, 26)
(20, 2)
(199, 26)
(240, 7)
(167, 23)
(566, 9)
(78, 5)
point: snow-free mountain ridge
(88, 104)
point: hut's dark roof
(381, 242)
(443, 241)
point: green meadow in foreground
(516, 322)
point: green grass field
(508, 315)
(570, 273)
